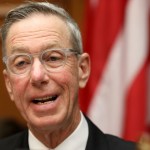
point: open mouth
(45, 99)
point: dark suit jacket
(96, 141)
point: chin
(46, 123)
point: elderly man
(45, 68)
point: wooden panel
(7, 107)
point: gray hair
(27, 9)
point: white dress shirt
(76, 141)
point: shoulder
(19, 140)
(118, 143)
(100, 140)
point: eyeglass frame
(65, 52)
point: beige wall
(76, 9)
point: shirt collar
(76, 141)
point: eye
(21, 62)
(53, 57)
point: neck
(53, 138)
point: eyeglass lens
(21, 63)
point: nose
(38, 74)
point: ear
(84, 69)
(8, 84)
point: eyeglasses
(52, 60)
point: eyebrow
(17, 49)
(51, 46)
(23, 49)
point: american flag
(117, 37)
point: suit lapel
(96, 139)
(25, 141)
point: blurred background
(116, 34)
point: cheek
(19, 92)
(70, 83)
(69, 77)
(68, 80)
(18, 88)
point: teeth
(45, 99)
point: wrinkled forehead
(38, 27)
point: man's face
(33, 35)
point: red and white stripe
(117, 38)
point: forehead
(38, 28)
